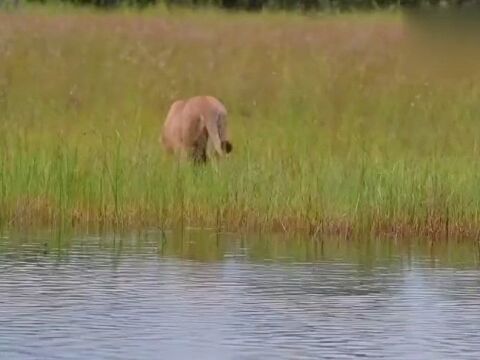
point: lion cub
(191, 123)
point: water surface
(199, 295)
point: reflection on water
(206, 296)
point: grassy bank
(337, 125)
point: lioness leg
(199, 148)
(199, 155)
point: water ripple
(140, 305)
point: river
(199, 295)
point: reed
(337, 125)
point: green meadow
(341, 124)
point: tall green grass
(337, 125)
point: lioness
(191, 123)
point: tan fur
(191, 123)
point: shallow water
(204, 296)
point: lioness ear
(227, 146)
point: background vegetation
(340, 124)
(255, 5)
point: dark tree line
(255, 5)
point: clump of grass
(334, 130)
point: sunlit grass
(335, 127)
